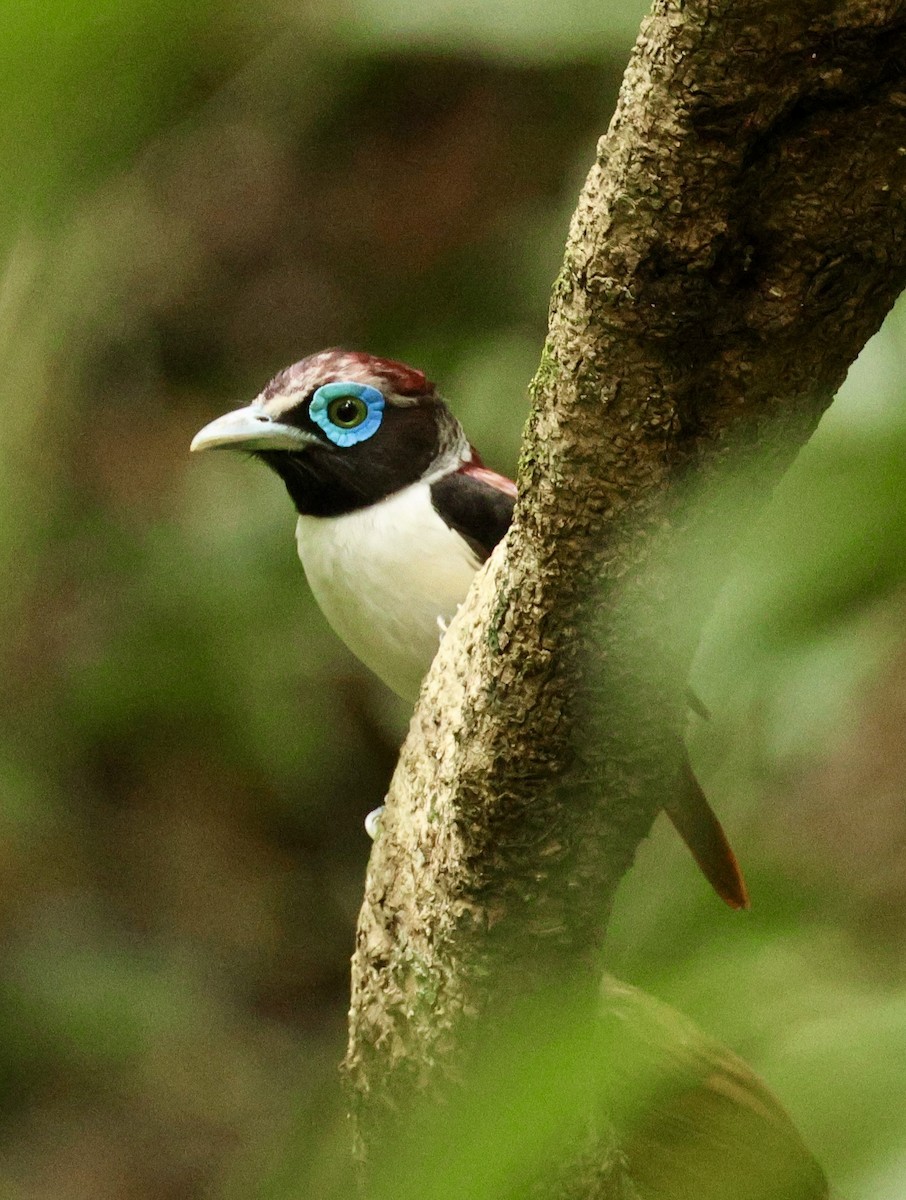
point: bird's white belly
(388, 578)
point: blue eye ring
(320, 406)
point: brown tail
(695, 822)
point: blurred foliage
(804, 668)
(197, 195)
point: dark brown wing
(478, 504)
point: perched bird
(396, 514)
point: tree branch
(740, 236)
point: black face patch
(325, 480)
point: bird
(396, 513)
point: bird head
(344, 430)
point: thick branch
(741, 235)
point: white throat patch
(388, 578)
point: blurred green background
(196, 195)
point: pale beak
(250, 429)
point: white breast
(388, 578)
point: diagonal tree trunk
(740, 236)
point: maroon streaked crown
(336, 365)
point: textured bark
(740, 236)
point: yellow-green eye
(346, 412)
